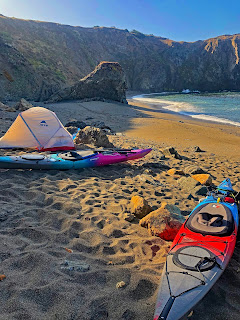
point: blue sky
(187, 20)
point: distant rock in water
(107, 81)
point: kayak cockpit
(75, 156)
(211, 219)
(33, 157)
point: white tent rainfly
(37, 128)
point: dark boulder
(94, 136)
(100, 125)
(164, 222)
(72, 130)
(171, 152)
(76, 123)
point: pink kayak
(71, 159)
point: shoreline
(183, 131)
(159, 104)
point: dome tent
(37, 128)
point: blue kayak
(71, 159)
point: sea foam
(182, 108)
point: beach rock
(173, 172)
(72, 130)
(193, 169)
(100, 125)
(129, 216)
(187, 183)
(120, 284)
(197, 149)
(107, 81)
(149, 172)
(201, 191)
(140, 207)
(2, 277)
(76, 123)
(92, 135)
(4, 107)
(164, 222)
(171, 152)
(23, 105)
(75, 266)
(146, 178)
(203, 178)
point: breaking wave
(182, 108)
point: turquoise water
(217, 107)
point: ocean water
(217, 107)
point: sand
(43, 213)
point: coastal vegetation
(52, 56)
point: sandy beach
(51, 218)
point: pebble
(75, 266)
(120, 284)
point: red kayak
(199, 254)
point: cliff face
(106, 81)
(38, 58)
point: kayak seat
(211, 219)
(75, 156)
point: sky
(179, 20)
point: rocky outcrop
(164, 222)
(39, 58)
(107, 81)
(94, 136)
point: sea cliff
(37, 59)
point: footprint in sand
(145, 289)
(98, 310)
